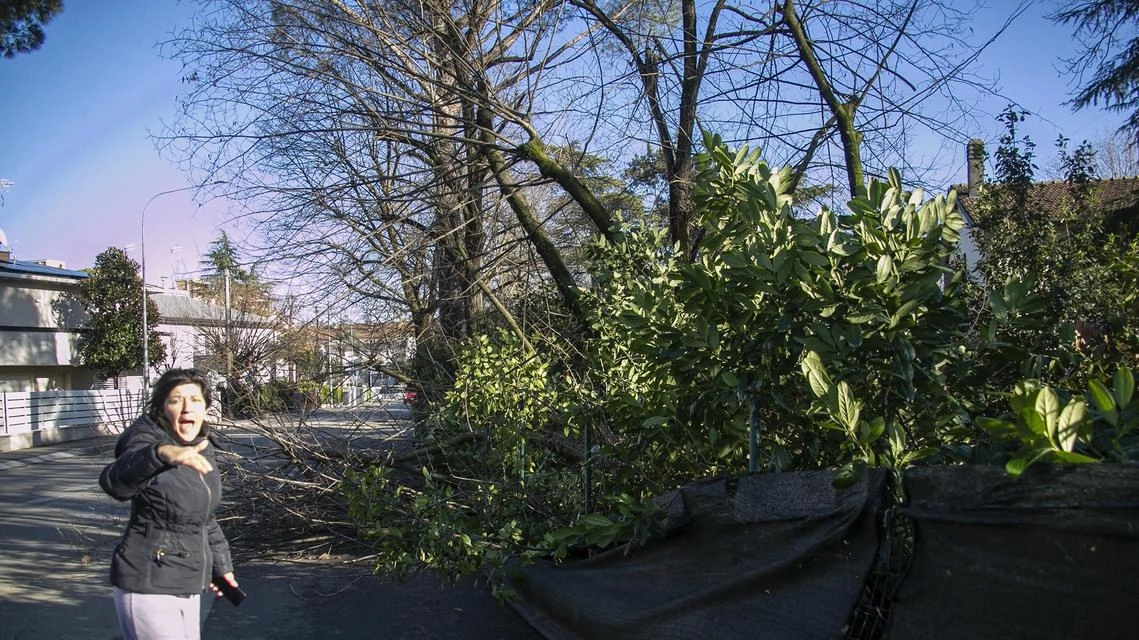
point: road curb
(35, 455)
(44, 457)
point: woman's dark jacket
(172, 543)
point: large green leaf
(904, 311)
(1074, 458)
(1016, 466)
(996, 427)
(1048, 407)
(849, 408)
(812, 367)
(1104, 401)
(873, 429)
(997, 302)
(729, 379)
(884, 268)
(813, 259)
(1124, 386)
(1069, 424)
(1035, 424)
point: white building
(40, 318)
(199, 334)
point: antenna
(179, 265)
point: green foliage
(22, 23)
(647, 176)
(112, 295)
(1108, 54)
(247, 292)
(634, 522)
(1079, 278)
(1079, 169)
(443, 523)
(1046, 425)
(510, 411)
(694, 345)
(571, 228)
(841, 341)
(1015, 161)
(275, 396)
(221, 257)
(497, 475)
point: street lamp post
(142, 263)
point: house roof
(37, 270)
(1117, 199)
(179, 308)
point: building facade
(206, 336)
(40, 320)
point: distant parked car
(410, 397)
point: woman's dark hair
(166, 383)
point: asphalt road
(57, 531)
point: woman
(172, 546)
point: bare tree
(435, 163)
(402, 151)
(1117, 157)
(363, 147)
(834, 89)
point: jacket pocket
(175, 571)
(172, 565)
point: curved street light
(142, 249)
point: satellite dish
(3, 238)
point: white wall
(37, 347)
(40, 305)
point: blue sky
(75, 117)
(74, 141)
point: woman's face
(185, 409)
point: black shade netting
(768, 556)
(1052, 554)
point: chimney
(975, 165)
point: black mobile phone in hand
(231, 593)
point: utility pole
(228, 333)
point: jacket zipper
(207, 557)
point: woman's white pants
(152, 616)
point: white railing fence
(34, 418)
(26, 412)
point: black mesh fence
(1053, 554)
(778, 556)
(973, 554)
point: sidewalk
(286, 600)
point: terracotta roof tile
(1117, 199)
